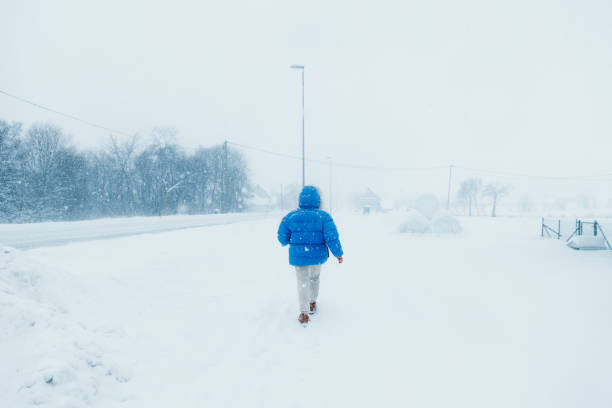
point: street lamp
(301, 67)
(330, 183)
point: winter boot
(313, 308)
(303, 319)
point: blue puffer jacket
(310, 231)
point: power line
(366, 167)
(290, 156)
(337, 164)
(86, 122)
(538, 176)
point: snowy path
(495, 317)
(27, 236)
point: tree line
(470, 190)
(44, 178)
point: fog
(521, 88)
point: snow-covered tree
(53, 183)
(9, 174)
(161, 170)
(44, 178)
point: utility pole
(301, 68)
(450, 178)
(330, 184)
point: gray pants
(308, 285)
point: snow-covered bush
(428, 205)
(445, 224)
(415, 223)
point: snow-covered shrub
(445, 224)
(428, 205)
(415, 223)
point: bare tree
(43, 142)
(122, 154)
(468, 192)
(164, 136)
(495, 191)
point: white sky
(523, 86)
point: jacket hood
(309, 197)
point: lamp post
(301, 67)
(330, 184)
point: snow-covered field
(206, 317)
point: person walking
(311, 234)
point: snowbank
(48, 359)
(588, 242)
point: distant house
(366, 201)
(260, 200)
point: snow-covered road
(27, 236)
(493, 317)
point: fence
(548, 230)
(591, 226)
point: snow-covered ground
(492, 317)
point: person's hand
(340, 259)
